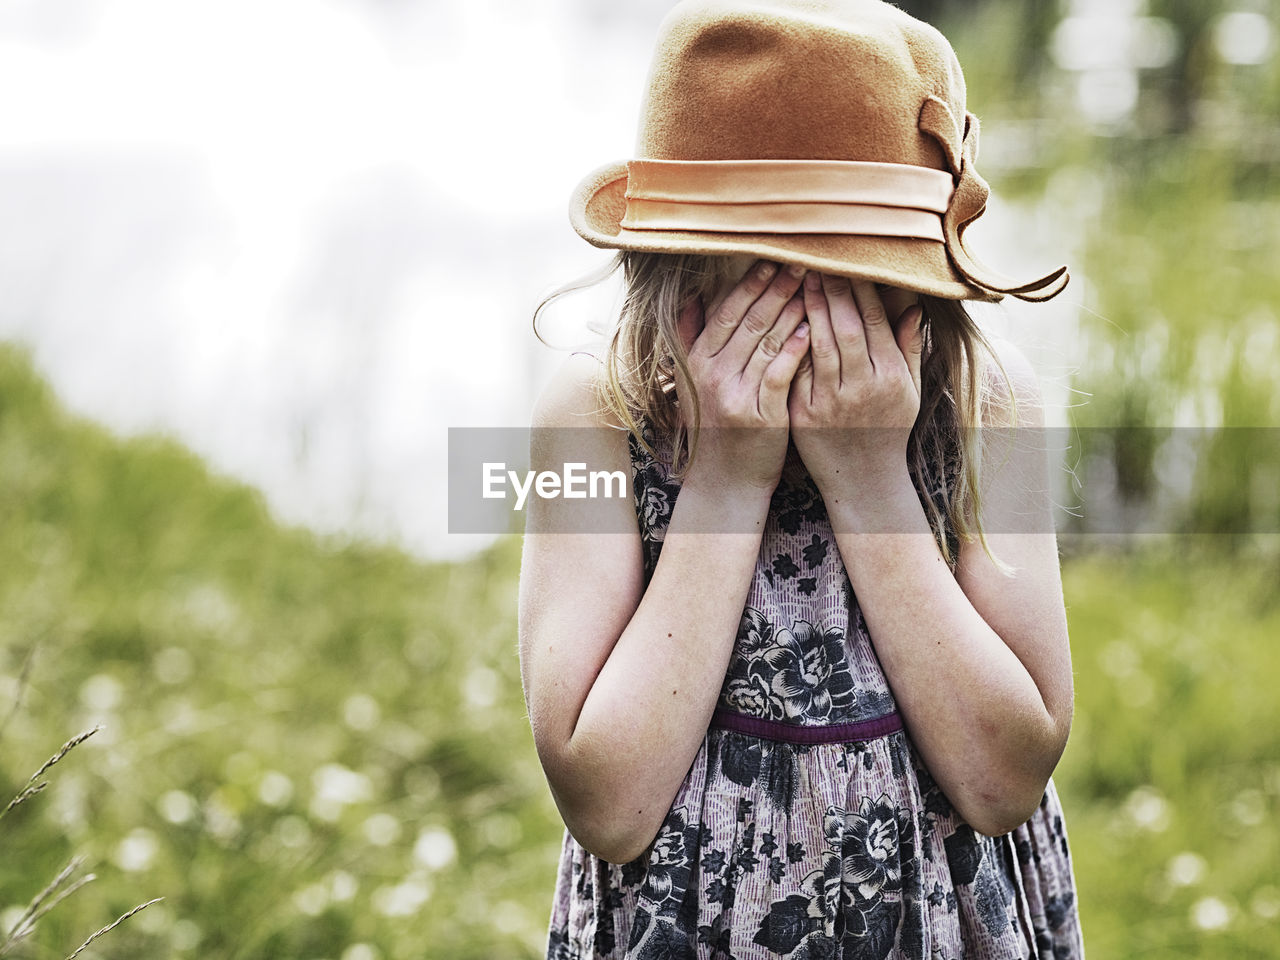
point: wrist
(875, 502)
(725, 477)
(710, 504)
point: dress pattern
(822, 851)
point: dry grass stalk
(55, 892)
(32, 787)
(37, 908)
(112, 925)
(50, 897)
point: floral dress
(777, 847)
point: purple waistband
(794, 733)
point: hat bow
(969, 201)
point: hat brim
(598, 204)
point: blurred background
(257, 257)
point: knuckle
(824, 350)
(755, 322)
(874, 314)
(742, 409)
(725, 317)
(771, 344)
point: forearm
(973, 710)
(649, 708)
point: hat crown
(799, 80)
(830, 133)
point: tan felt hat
(829, 133)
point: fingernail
(802, 331)
(766, 270)
(796, 270)
(813, 281)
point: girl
(803, 694)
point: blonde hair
(645, 359)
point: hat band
(787, 196)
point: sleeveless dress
(775, 848)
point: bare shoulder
(574, 396)
(1010, 374)
(1014, 479)
(572, 423)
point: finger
(722, 318)
(846, 324)
(822, 348)
(690, 323)
(776, 382)
(881, 346)
(771, 343)
(801, 391)
(759, 318)
(910, 339)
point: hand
(743, 352)
(854, 403)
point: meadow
(319, 750)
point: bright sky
(294, 232)
(306, 236)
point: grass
(319, 750)
(1172, 777)
(307, 746)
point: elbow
(1008, 796)
(590, 809)
(996, 817)
(1002, 804)
(611, 839)
(613, 845)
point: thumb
(910, 337)
(801, 392)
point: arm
(621, 684)
(620, 680)
(979, 662)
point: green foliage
(1171, 782)
(1175, 214)
(311, 744)
(306, 744)
(1182, 332)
